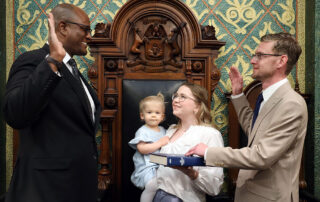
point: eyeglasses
(181, 98)
(259, 56)
(85, 28)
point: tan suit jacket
(270, 164)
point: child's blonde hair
(157, 98)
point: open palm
(236, 81)
(57, 50)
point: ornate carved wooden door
(148, 40)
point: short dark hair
(63, 12)
(285, 44)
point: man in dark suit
(57, 115)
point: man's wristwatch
(54, 61)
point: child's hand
(164, 140)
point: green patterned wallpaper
(240, 23)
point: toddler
(149, 138)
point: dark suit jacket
(57, 159)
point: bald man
(57, 115)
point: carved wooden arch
(148, 39)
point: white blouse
(209, 179)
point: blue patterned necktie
(256, 109)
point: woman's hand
(189, 171)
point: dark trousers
(162, 196)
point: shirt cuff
(236, 96)
(58, 73)
(205, 153)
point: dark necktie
(75, 71)
(76, 74)
(256, 109)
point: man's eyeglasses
(181, 98)
(259, 56)
(85, 28)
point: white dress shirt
(93, 107)
(177, 183)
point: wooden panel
(148, 40)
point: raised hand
(57, 50)
(236, 81)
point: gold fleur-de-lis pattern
(240, 23)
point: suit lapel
(267, 107)
(78, 90)
(95, 100)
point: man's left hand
(199, 150)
